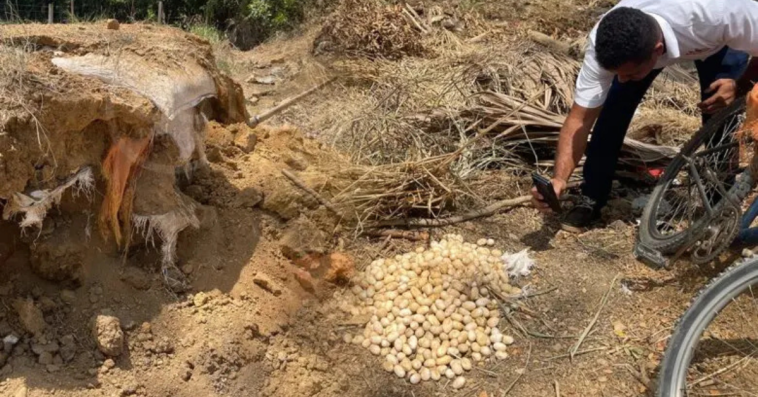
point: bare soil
(251, 327)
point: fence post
(160, 12)
(50, 13)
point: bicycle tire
(648, 223)
(709, 302)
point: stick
(478, 38)
(255, 120)
(486, 211)
(483, 212)
(405, 234)
(312, 192)
(540, 293)
(523, 370)
(594, 319)
(413, 20)
(577, 353)
(557, 389)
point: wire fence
(12, 11)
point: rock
(187, 269)
(30, 316)
(109, 363)
(107, 332)
(246, 141)
(297, 163)
(129, 390)
(305, 279)
(301, 238)
(47, 305)
(68, 297)
(200, 299)
(267, 284)
(214, 154)
(248, 198)
(747, 253)
(341, 268)
(68, 352)
(112, 24)
(136, 278)
(49, 348)
(185, 374)
(45, 358)
(94, 298)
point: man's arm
(571, 144)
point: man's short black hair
(625, 35)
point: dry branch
(311, 192)
(404, 234)
(255, 120)
(486, 211)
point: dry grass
(370, 29)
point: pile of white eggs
(433, 314)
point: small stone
(246, 142)
(107, 332)
(187, 269)
(45, 358)
(47, 304)
(68, 297)
(305, 280)
(200, 299)
(296, 163)
(747, 253)
(30, 316)
(265, 282)
(109, 363)
(248, 198)
(213, 153)
(112, 24)
(94, 298)
(57, 360)
(136, 278)
(129, 390)
(186, 374)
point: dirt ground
(253, 326)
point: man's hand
(559, 185)
(724, 92)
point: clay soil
(250, 327)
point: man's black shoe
(581, 216)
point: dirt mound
(82, 104)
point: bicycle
(696, 208)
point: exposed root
(167, 227)
(35, 205)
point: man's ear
(659, 48)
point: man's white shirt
(692, 30)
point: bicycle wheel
(693, 187)
(714, 348)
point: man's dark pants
(622, 101)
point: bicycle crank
(717, 236)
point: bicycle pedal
(650, 256)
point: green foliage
(256, 20)
(207, 32)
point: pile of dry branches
(369, 29)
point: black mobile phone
(545, 187)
